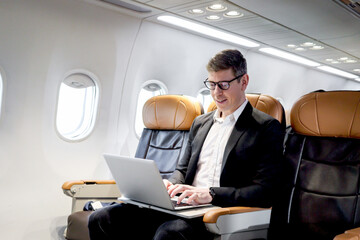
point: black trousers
(126, 221)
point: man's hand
(167, 183)
(195, 195)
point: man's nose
(217, 89)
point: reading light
(233, 14)
(216, 7)
(300, 49)
(289, 56)
(196, 11)
(213, 17)
(207, 31)
(337, 72)
(350, 61)
(307, 44)
(317, 47)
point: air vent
(351, 5)
(127, 5)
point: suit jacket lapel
(238, 131)
(199, 139)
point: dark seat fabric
(165, 147)
(321, 197)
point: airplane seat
(322, 153)
(167, 120)
(264, 103)
(245, 222)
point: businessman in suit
(233, 157)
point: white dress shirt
(212, 152)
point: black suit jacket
(252, 159)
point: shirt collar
(232, 117)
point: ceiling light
(300, 49)
(291, 45)
(307, 44)
(289, 56)
(337, 72)
(128, 6)
(357, 79)
(343, 58)
(213, 17)
(317, 47)
(329, 59)
(335, 62)
(350, 61)
(216, 7)
(356, 70)
(233, 14)
(196, 11)
(207, 31)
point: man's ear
(244, 82)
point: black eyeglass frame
(220, 82)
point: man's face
(227, 101)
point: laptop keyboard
(182, 204)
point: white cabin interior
(43, 40)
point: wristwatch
(212, 192)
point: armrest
(352, 234)
(236, 219)
(70, 188)
(82, 191)
(67, 185)
(213, 215)
(91, 188)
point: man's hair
(229, 58)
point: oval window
(204, 97)
(149, 89)
(77, 105)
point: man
(232, 158)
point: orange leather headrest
(212, 107)
(327, 114)
(262, 102)
(171, 112)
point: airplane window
(204, 97)
(150, 89)
(77, 105)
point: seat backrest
(264, 103)
(322, 153)
(167, 120)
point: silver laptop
(140, 183)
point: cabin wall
(42, 40)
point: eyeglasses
(223, 85)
